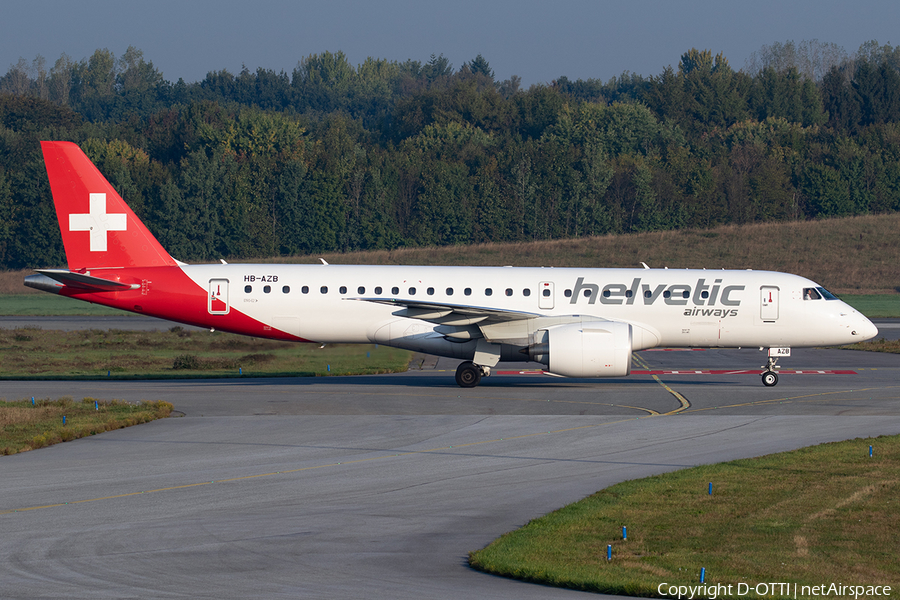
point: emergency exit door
(218, 297)
(545, 295)
(768, 303)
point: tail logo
(98, 222)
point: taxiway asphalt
(378, 486)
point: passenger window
(647, 293)
(685, 294)
(305, 289)
(286, 289)
(704, 294)
(667, 294)
(248, 289)
(527, 292)
(449, 291)
(324, 289)
(567, 293)
(378, 291)
(468, 291)
(629, 293)
(360, 290)
(412, 291)
(488, 292)
(546, 293)
(343, 289)
(509, 292)
(395, 290)
(811, 294)
(267, 289)
(430, 291)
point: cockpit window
(818, 293)
(826, 294)
(811, 294)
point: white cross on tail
(97, 222)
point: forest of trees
(388, 154)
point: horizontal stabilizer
(81, 281)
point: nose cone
(864, 329)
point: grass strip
(877, 345)
(28, 426)
(52, 305)
(819, 515)
(34, 353)
(875, 306)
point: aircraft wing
(451, 314)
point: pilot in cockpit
(811, 294)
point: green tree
(322, 82)
(6, 219)
(60, 83)
(441, 214)
(94, 84)
(437, 68)
(827, 194)
(788, 95)
(480, 66)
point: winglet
(98, 228)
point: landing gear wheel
(468, 375)
(769, 378)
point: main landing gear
(468, 374)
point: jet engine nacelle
(590, 349)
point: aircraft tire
(468, 375)
(769, 378)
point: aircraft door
(218, 297)
(545, 295)
(768, 303)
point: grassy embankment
(27, 426)
(817, 515)
(39, 354)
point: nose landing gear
(769, 378)
(770, 374)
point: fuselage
(340, 303)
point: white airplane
(576, 322)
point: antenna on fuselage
(324, 262)
(644, 265)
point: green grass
(52, 305)
(32, 353)
(817, 515)
(874, 306)
(27, 426)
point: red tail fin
(98, 228)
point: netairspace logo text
(783, 590)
